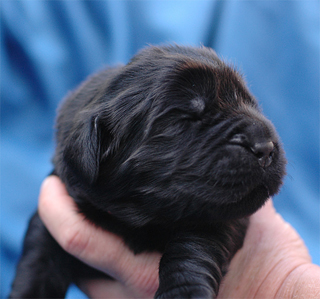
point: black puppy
(172, 153)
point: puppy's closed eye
(198, 105)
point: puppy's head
(173, 136)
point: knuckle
(74, 241)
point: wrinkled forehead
(204, 82)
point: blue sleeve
(48, 47)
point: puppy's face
(173, 136)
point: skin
(273, 262)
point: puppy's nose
(264, 152)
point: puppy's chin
(213, 211)
(243, 207)
(194, 211)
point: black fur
(172, 153)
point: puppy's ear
(82, 152)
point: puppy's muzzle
(257, 140)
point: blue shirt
(48, 47)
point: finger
(54, 207)
(101, 288)
(104, 289)
(59, 213)
(268, 228)
(96, 247)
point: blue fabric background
(48, 47)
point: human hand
(273, 262)
(136, 276)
